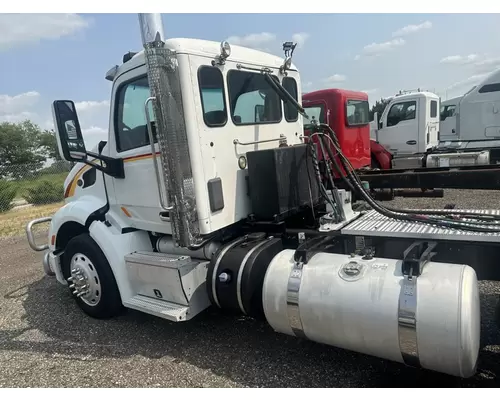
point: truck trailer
(207, 194)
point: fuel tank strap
(407, 321)
(292, 300)
(216, 267)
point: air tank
(431, 321)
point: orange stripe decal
(125, 211)
(139, 157)
(70, 189)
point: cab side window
(213, 99)
(130, 120)
(403, 111)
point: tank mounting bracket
(416, 256)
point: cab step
(159, 308)
(169, 286)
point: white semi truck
(207, 194)
(420, 131)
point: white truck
(464, 131)
(206, 193)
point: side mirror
(68, 132)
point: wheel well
(375, 162)
(68, 231)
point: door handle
(411, 142)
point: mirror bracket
(112, 166)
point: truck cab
(478, 111)
(172, 176)
(225, 111)
(409, 124)
(347, 113)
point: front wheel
(90, 278)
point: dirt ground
(45, 340)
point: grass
(13, 222)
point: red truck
(347, 113)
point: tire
(103, 299)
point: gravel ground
(45, 340)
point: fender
(380, 153)
(115, 245)
(77, 211)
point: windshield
(316, 113)
(254, 101)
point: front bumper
(31, 236)
(50, 261)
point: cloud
(18, 103)
(93, 136)
(369, 91)
(375, 49)
(409, 29)
(459, 60)
(477, 64)
(253, 40)
(487, 64)
(336, 78)
(29, 105)
(471, 80)
(20, 29)
(300, 38)
(20, 117)
(85, 106)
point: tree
(48, 143)
(379, 107)
(24, 147)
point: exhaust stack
(151, 28)
(164, 83)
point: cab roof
(207, 48)
(413, 95)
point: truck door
(400, 132)
(447, 123)
(135, 199)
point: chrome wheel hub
(84, 280)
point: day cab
(119, 197)
(347, 113)
(409, 124)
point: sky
(45, 57)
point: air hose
(353, 182)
